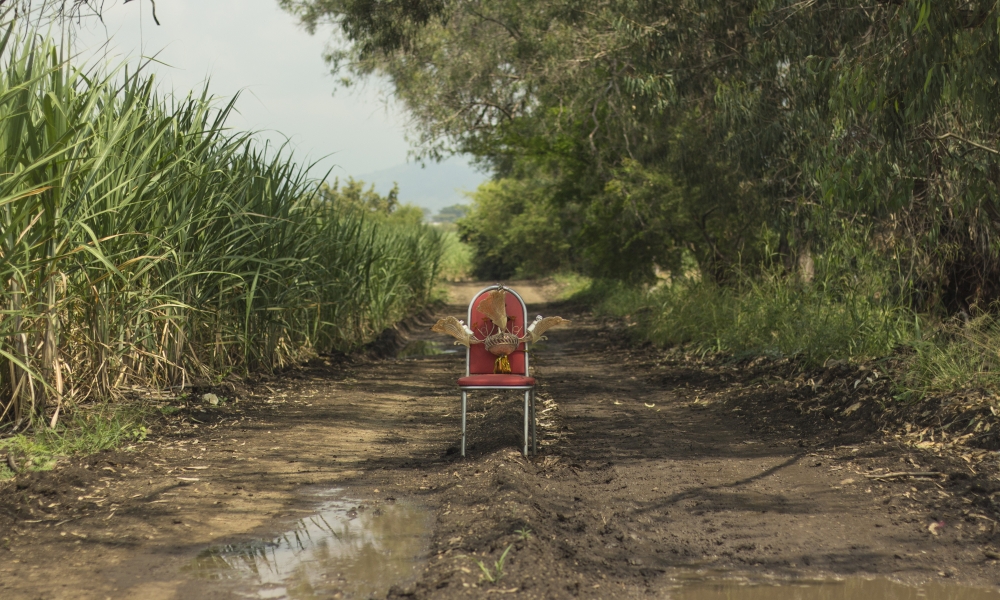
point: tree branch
(965, 141)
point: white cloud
(253, 47)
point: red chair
(479, 363)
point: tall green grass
(780, 317)
(456, 262)
(765, 316)
(144, 244)
(961, 354)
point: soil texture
(650, 465)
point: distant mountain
(435, 186)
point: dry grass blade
(907, 474)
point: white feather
(466, 327)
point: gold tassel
(502, 366)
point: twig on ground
(908, 474)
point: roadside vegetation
(144, 245)
(815, 181)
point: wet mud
(346, 548)
(655, 478)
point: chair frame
(529, 390)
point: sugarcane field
(548, 299)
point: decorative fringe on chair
(502, 365)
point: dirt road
(650, 470)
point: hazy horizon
(287, 94)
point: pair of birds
(465, 336)
(494, 307)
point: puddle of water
(345, 550)
(424, 348)
(848, 589)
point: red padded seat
(490, 380)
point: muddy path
(650, 473)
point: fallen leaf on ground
(935, 527)
(649, 405)
(852, 408)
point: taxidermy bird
(494, 306)
(457, 329)
(500, 343)
(465, 327)
(541, 325)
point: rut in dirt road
(646, 473)
(650, 472)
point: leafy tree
(354, 195)
(450, 214)
(743, 132)
(514, 231)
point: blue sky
(253, 48)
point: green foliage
(960, 354)
(494, 574)
(770, 316)
(456, 262)
(408, 214)
(571, 284)
(143, 243)
(103, 427)
(513, 231)
(649, 216)
(354, 196)
(762, 316)
(662, 127)
(451, 214)
(808, 175)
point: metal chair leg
(534, 423)
(464, 397)
(527, 412)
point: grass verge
(456, 259)
(767, 317)
(87, 431)
(811, 325)
(961, 354)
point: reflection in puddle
(345, 550)
(848, 589)
(424, 348)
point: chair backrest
(478, 360)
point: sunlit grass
(103, 427)
(571, 284)
(960, 354)
(766, 317)
(143, 244)
(786, 319)
(456, 262)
